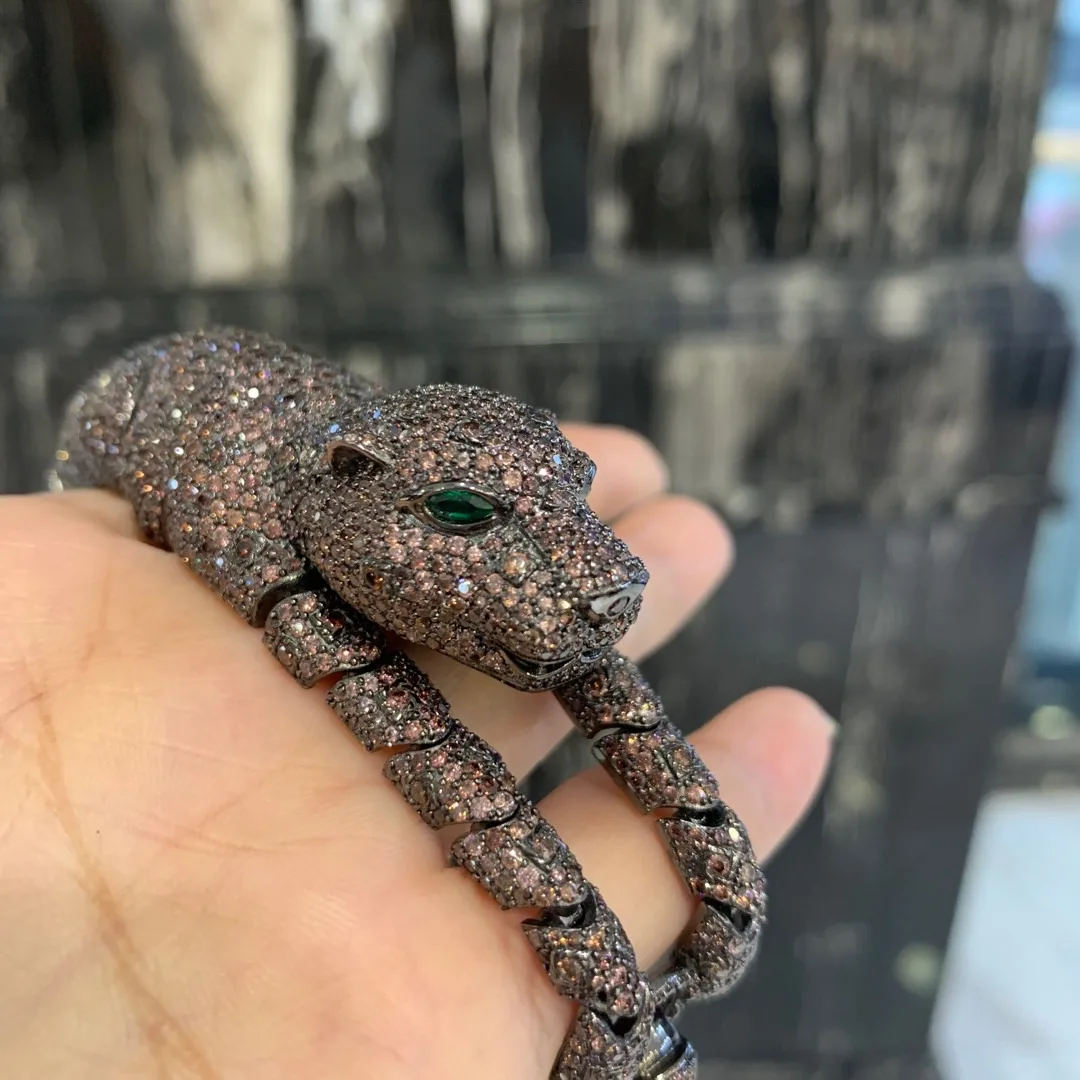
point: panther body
(451, 516)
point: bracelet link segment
(522, 863)
(314, 635)
(662, 772)
(458, 780)
(393, 705)
(659, 768)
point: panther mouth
(537, 670)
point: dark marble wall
(188, 141)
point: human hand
(203, 874)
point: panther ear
(347, 452)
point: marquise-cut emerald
(459, 508)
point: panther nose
(612, 604)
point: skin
(202, 874)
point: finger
(94, 506)
(629, 469)
(689, 552)
(685, 559)
(768, 752)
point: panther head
(455, 517)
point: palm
(201, 872)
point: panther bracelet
(332, 515)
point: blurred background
(824, 252)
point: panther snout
(610, 605)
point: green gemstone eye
(459, 508)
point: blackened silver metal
(450, 776)
(298, 494)
(668, 1055)
(661, 771)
